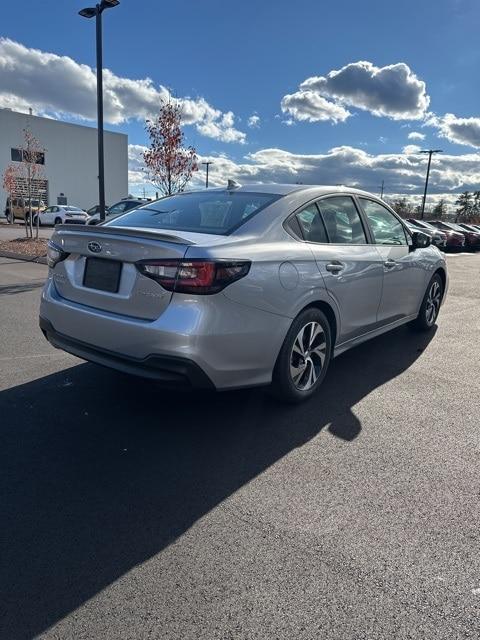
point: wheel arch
(329, 313)
(443, 275)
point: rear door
(404, 274)
(350, 266)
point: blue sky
(243, 59)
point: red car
(472, 238)
(455, 239)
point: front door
(404, 276)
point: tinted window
(342, 221)
(131, 205)
(16, 155)
(203, 212)
(313, 229)
(386, 228)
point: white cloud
(254, 121)
(312, 107)
(403, 174)
(58, 85)
(393, 91)
(465, 131)
(411, 149)
(416, 135)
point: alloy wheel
(308, 356)
(433, 302)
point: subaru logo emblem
(94, 247)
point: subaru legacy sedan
(239, 286)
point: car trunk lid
(100, 270)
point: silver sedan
(239, 286)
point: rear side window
(216, 212)
(313, 229)
(386, 228)
(342, 220)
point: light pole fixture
(96, 12)
(430, 154)
(207, 164)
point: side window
(311, 224)
(118, 208)
(342, 220)
(385, 227)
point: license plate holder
(102, 275)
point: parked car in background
(117, 209)
(439, 238)
(472, 238)
(19, 208)
(61, 214)
(241, 286)
(455, 241)
(95, 209)
(468, 227)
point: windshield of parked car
(77, 209)
(216, 212)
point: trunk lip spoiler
(133, 232)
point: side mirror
(420, 240)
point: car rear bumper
(172, 372)
(231, 344)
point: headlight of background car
(54, 254)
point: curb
(21, 256)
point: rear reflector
(194, 276)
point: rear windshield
(203, 212)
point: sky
(342, 92)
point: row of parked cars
(448, 235)
(19, 209)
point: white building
(70, 168)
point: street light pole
(430, 154)
(101, 158)
(96, 12)
(207, 164)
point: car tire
(8, 216)
(58, 221)
(430, 307)
(303, 360)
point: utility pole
(96, 12)
(207, 164)
(430, 154)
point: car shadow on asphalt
(99, 472)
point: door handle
(390, 264)
(335, 266)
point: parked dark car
(127, 204)
(455, 241)
(439, 238)
(472, 238)
(95, 209)
(469, 227)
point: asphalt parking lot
(131, 512)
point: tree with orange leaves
(169, 163)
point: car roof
(284, 189)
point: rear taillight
(55, 254)
(194, 276)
